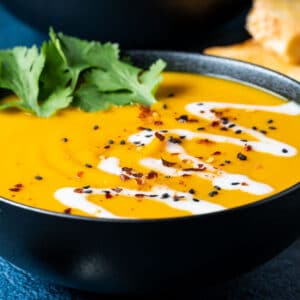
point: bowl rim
(159, 53)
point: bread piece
(252, 52)
(275, 24)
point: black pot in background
(177, 24)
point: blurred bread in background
(275, 24)
(275, 44)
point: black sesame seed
(238, 131)
(263, 131)
(224, 120)
(88, 191)
(245, 141)
(38, 177)
(213, 193)
(106, 147)
(272, 127)
(165, 196)
(200, 128)
(110, 142)
(228, 162)
(153, 196)
(86, 187)
(170, 95)
(231, 125)
(217, 187)
(163, 131)
(64, 139)
(148, 135)
(254, 127)
(270, 121)
(96, 127)
(196, 200)
(241, 156)
(199, 103)
(284, 150)
(122, 142)
(235, 183)
(88, 166)
(136, 143)
(165, 106)
(192, 191)
(224, 128)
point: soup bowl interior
(140, 256)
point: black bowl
(122, 256)
(132, 23)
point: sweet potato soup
(208, 144)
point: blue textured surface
(279, 279)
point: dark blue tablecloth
(279, 279)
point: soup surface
(208, 144)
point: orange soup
(208, 144)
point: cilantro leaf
(69, 71)
(119, 84)
(80, 55)
(20, 69)
(59, 99)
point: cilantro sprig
(69, 71)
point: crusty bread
(275, 24)
(253, 52)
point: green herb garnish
(69, 71)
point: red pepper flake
(124, 177)
(167, 163)
(193, 120)
(127, 170)
(248, 148)
(145, 111)
(15, 189)
(78, 190)
(217, 153)
(159, 136)
(108, 195)
(139, 181)
(80, 174)
(138, 175)
(244, 184)
(117, 190)
(204, 141)
(151, 175)
(158, 123)
(68, 210)
(139, 195)
(215, 123)
(19, 185)
(194, 169)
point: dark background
(279, 279)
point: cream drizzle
(68, 197)
(223, 179)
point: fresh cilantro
(69, 71)
(20, 70)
